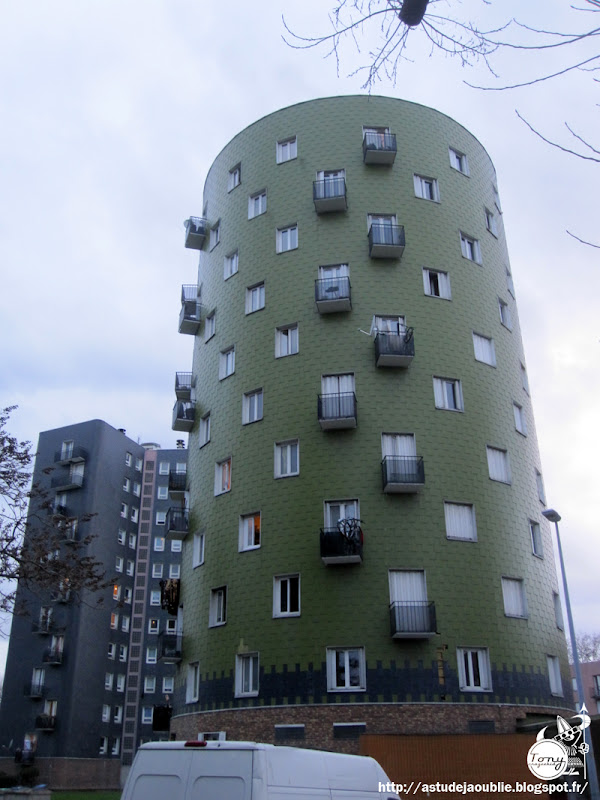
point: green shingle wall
(348, 605)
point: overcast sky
(111, 112)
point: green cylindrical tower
(365, 537)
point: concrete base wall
(73, 773)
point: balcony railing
(161, 718)
(184, 414)
(62, 483)
(386, 240)
(45, 722)
(69, 530)
(53, 656)
(61, 596)
(329, 194)
(379, 148)
(183, 385)
(42, 626)
(70, 455)
(190, 315)
(35, 690)
(177, 485)
(169, 647)
(403, 474)
(332, 295)
(195, 232)
(169, 596)
(394, 349)
(177, 523)
(412, 619)
(337, 548)
(337, 411)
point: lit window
(116, 592)
(214, 236)
(246, 675)
(198, 550)
(505, 316)
(484, 349)
(474, 669)
(286, 341)
(436, 284)
(535, 533)
(515, 601)
(346, 669)
(287, 459)
(204, 430)
(458, 161)
(192, 684)
(249, 531)
(470, 248)
(554, 676)
(223, 476)
(153, 625)
(426, 188)
(287, 150)
(235, 177)
(252, 406)
(287, 239)
(447, 393)
(520, 422)
(498, 464)
(257, 204)
(209, 326)
(460, 521)
(286, 596)
(217, 614)
(230, 265)
(227, 363)
(490, 222)
(114, 621)
(255, 298)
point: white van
(213, 770)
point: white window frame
(125, 623)
(234, 178)
(476, 657)
(441, 389)
(524, 379)
(348, 508)
(162, 493)
(135, 514)
(332, 685)
(139, 463)
(105, 712)
(161, 518)
(461, 522)
(441, 282)
(168, 684)
(252, 406)
(484, 349)
(520, 420)
(128, 459)
(210, 325)
(174, 571)
(286, 150)
(509, 282)
(159, 544)
(147, 713)
(282, 595)
(255, 298)
(103, 750)
(118, 715)
(157, 570)
(153, 625)
(176, 545)
(287, 340)
(498, 464)
(231, 264)
(126, 485)
(490, 222)
(108, 681)
(514, 597)
(114, 621)
(132, 541)
(248, 532)
(223, 476)
(217, 611)
(287, 470)
(121, 536)
(116, 746)
(164, 468)
(535, 534)
(214, 235)
(458, 161)
(247, 673)
(120, 683)
(111, 652)
(204, 430)
(124, 510)
(541, 491)
(155, 597)
(470, 248)
(257, 204)
(119, 562)
(426, 188)
(227, 363)
(287, 238)
(198, 549)
(192, 683)
(558, 612)
(137, 489)
(554, 676)
(151, 654)
(505, 315)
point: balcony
(61, 596)
(412, 620)
(45, 722)
(169, 596)
(403, 474)
(70, 454)
(379, 148)
(195, 232)
(386, 240)
(53, 656)
(339, 548)
(177, 522)
(332, 295)
(183, 385)
(69, 530)
(169, 647)
(183, 416)
(330, 195)
(337, 411)
(34, 690)
(177, 486)
(43, 626)
(161, 719)
(394, 349)
(59, 512)
(191, 309)
(63, 483)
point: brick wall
(73, 773)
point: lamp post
(553, 516)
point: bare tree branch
(555, 144)
(583, 241)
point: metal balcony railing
(53, 656)
(42, 626)
(70, 454)
(72, 480)
(337, 411)
(169, 647)
(177, 482)
(184, 413)
(412, 619)
(34, 689)
(337, 548)
(45, 722)
(333, 294)
(195, 232)
(379, 148)
(177, 522)
(386, 240)
(183, 385)
(394, 349)
(190, 315)
(329, 194)
(402, 474)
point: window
(151, 655)
(408, 600)
(249, 531)
(209, 326)
(426, 188)
(161, 517)
(120, 683)
(163, 468)
(171, 625)
(112, 651)
(346, 669)
(132, 540)
(128, 459)
(524, 379)
(520, 422)
(337, 395)
(176, 545)
(460, 521)
(515, 602)
(509, 282)
(108, 681)
(496, 197)
(470, 248)
(114, 621)
(554, 676)
(168, 685)
(336, 510)
(103, 745)
(192, 684)
(490, 222)
(128, 594)
(66, 450)
(227, 363)
(147, 712)
(217, 613)
(257, 204)
(139, 463)
(162, 493)
(287, 459)
(118, 714)
(125, 623)
(540, 487)
(124, 510)
(436, 284)
(105, 713)
(286, 596)
(157, 570)
(395, 325)
(181, 468)
(174, 570)
(484, 349)
(252, 406)
(135, 513)
(204, 430)
(137, 489)
(537, 547)
(447, 393)
(235, 177)
(121, 536)
(498, 464)
(116, 592)
(286, 341)
(159, 544)
(255, 298)
(214, 236)
(505, 316)
(119, 561)
(198, 550)
(155, 597)
(458, 161)
(230, 265)
(223, 476)
(153, 625)
(287, 150)
(246, 675)
(558, 614)
(116, 746)
(126, 485)
(474, 669)
(287, 239)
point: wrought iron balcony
(183, 385)
(337, 411)
(177, 523)
(190, 315)
(184, 414)
(65, 482)
(329, 194)
(195, 232)
(379, 148)
(332, 295)
(403, 474)
(339, 548)
(394, 349)
(169, 596)
(386, 240)
(43, 626)
(177, 485)
(169, 647)
(53, 656)
(45, 722)
(35, 690)
(412, 619)
(70, 454)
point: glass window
(286, 596)
(286, 340)
(287, 458)
(346, 669)
(287, 239)
(249, 531)
(246, 675)
(287, 150)
(252, 406)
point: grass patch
(86, 795)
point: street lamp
(553, 516)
